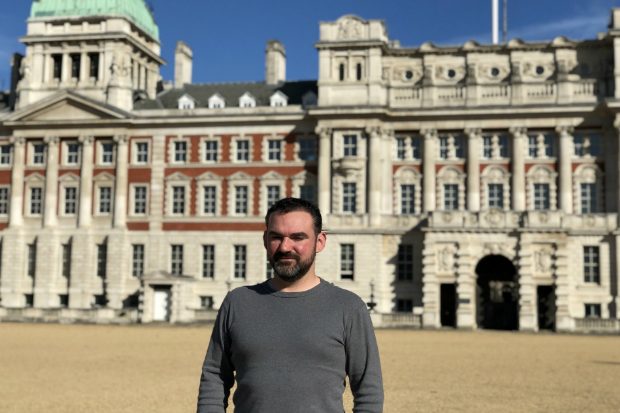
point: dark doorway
(448, 305)
(546, 307)
(497, 294)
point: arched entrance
(497, 294)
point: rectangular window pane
(407, 201)
(532, 146)
(36, 201)
(542, 201)
(66, 261)
(75, 65)
(451, 197)
(496, 196)
(38, 156)
(275, 150)
(73, 153)
(307, 149)
(588, 198)
(107, 152)
(347, 261)
(180, 151)
(32, 260)
(240, 261)
(208, 261)
(57, 66)
(102, 260)
(349, 197)
(4, 201)
(404, 305)
(210, 199)
(176, 259)
(308, 193)
(443, 147)
(211, 151)
(350, 145)
(178, 200)
(591, 264)
(70, 200)
(487, 147)
(137, 265)
(416, 147)
(5, 154)
(405, 262)
(241, 199)
(401, 150)
(105, 200)
(142, 152)
(243, 150)
(593, 310)
(139, 199)
(273, 195)
(94, 65)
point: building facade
(473, 186)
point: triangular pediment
(67, 107)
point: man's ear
(321, 240)
(265, 239)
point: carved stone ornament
(51, 140)
(540, 70)
(494, 248)
(491, 73)
(446, 259)
(450, 73)
(349, 28)
(121, 139)
(17, 140)
(86, 139)
(409, 74)
(542, 260)
(493, 217)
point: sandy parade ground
(87, 368)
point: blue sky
(229, 37)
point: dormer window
(186, 102)
(247, 101)
(216, 102)
(278, 99)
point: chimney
(275, 63)
(182, 65)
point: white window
(240, 262)
(73, 153)
(307, 149)
(451, 197)
(140, 199)
(407, 199)
(541, 145)
(107, 153)
(487, 147)
(142, 152)
(105, 200)
(542, 197)
(247, 100)
(186, 102)
(71, 200)
(588, 197)
(36, 201)
(274, 150)
(178, 199)
(208, 261)
(347, 261)
(278, 99)
(273, 195)
(216, 102)
(242, 150)
(496, 196)
(443, 147)
(349, 145)
(349, 197)
(532, 146)
(176, 259)
(209, 206)
(5, 154)
(137, 262)
(401, 148)
(494, 146)
(241, 200)
(4, 200)
(180, 151)
(591, 264)
(211, 150)
(38, 154)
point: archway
(497, 295)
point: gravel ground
(83, 368)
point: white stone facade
(473, 186)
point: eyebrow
(295, 234)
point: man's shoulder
(243, 292)
(347, 298)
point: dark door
(546, 307)
(448, 305)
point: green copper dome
(135, 10)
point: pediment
(209, 176)
(67, 107)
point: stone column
(563, 276)
(430, 288)
(565, 166)
(466, 288)
(473, 169)
(527, 286)
(50, 215)
(519, 141)
(428, 169)
(374, 175)
(17, 182)
(86, 182)
(120, 187)
(386, 168)
(325, 170)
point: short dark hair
(286, 205)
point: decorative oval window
(540, 70)
(451, 73)
(494, 72)
(409, 75)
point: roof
(231, 92)
(135, 10)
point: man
(289, 342)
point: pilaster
(563, 319)
(120, 187)
(466, 288)
(118, 269)
(565, 161)
(83, 269)
(527, 289)
(86, 182)
(17, 182)
(13, 269)
(156, 206)
(325, 136)
(374, 176)
(430, 288)
(46, 271)
(50, 216)
(386, 168)
(428, 168)
(473, 169)
(519, 140)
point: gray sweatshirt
(290, 353)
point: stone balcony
(585, 91)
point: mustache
(279, 255)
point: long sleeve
(363, 363)
(217, 376)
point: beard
(287, 271)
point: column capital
(86, 139)
(429, 133)
(323, 132)
(373, 131)
(17, 140)
(518, 131)
(51, 140)
(473, 132)
(565, 130)
(121, 139)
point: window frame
(347, 261)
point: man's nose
(286, 244)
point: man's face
(291, 244)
